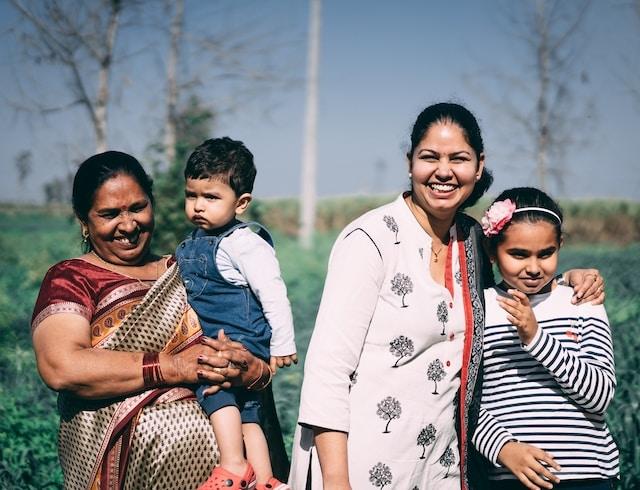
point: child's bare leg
(257, 451)
(229, 430)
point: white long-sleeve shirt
(245, 259)
(553, 392)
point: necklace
(111, 267)
(436, 253)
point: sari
(159, 438)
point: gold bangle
(255, 382)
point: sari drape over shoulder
(159, 438)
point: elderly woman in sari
(114, 335)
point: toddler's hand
(519, 313)
(282, 361)
(529, 464)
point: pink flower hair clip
(497, 216)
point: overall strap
(261, 230)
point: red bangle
(151, 372)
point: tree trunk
(542, 107)
(170, 128)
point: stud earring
(410, 175)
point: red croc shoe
(222, 479)
(273, 484)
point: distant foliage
(606, 222)
(28, 427)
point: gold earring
(85, 235)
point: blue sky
(381, 63)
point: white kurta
(384, 360)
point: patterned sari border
(119, 293)
(64, 307)
(468, 334)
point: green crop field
(32, 240)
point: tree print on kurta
(380, 475)
(393, 226)
(389, 409)
(401, 285)
(436, 373)
(401, 347)
(426, 437)
(447, 460)
(443, 315)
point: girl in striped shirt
(548, 363)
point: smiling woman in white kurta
(394, 374)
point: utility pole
(309, 151)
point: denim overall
(222, 305)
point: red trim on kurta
(448, 269)
(466, 355)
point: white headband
(542, 210)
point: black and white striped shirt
(553, 392)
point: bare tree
(175, 40)
(630, 79)
(224, 63)
(543, 98)
(80, 37)
(24, 165)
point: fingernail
(200, 374)
(200, 359)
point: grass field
(33, 240)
